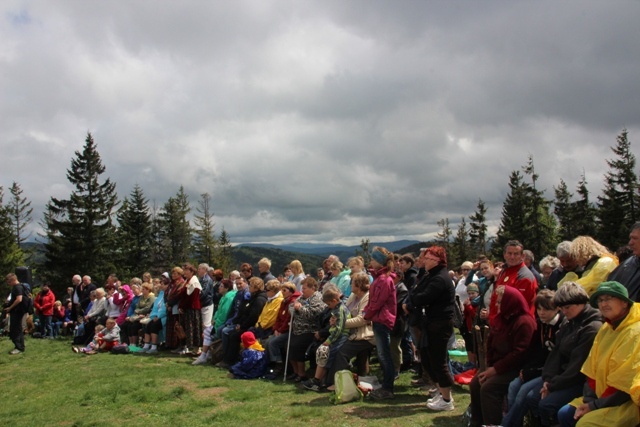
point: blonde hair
(296, 267)
(583, 248)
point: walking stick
(286, 362)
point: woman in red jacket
(508, 342)
(43, 304)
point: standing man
(16, 311)
(76, 308)
(628, 273)
(516, 275)
(84, 293)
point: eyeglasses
(604, 299)
(432, 258)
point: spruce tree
(224, 254)
(20, 210)
(513, 225)
(478, 229)
(461, 250)
(205, 243)
(618, 204)
(11, 256)
(82, 224)
(584, 211)
(443, 238)
(134, 234)
(564, 211)
(175, 231)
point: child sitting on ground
(338, 334)
(254, 361)
(92, 347)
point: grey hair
(204, 265)
(549, 261)
(570, 293)
(529, 255)
(563, 249)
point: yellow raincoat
(591, 279)
(614, 361)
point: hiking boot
(381, 394)
(14, 352)
(440, 404)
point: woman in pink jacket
(381, 310)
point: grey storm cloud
(318, 121)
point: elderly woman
(361, 340)
(611, 394)
(436, 294)
(595, 259)
(190, 310)
(547, 265)
(507, 350)
(247, 316)
(305, 314)
(298, 273)
(95, 316)
(561, 377)
(341, 277)
(381, 311)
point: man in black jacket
(628, 273)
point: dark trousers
(360, 349)
(16, 330)
(487, 399)
(437, 361)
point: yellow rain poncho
(591, 279)
(614, 361)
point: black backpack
(27, 299)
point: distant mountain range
(342, 251)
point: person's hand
(484, 314)
(237, 327)
(485, 375)
(276, 333)
(332, 321)
(544, 391)
(297, 305)
(581, 411)
(316, 335)
(521, 376)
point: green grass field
(49, 385)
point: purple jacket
(382, 299)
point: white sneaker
(200, 360)
(436, 398)
(441, 405)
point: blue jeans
(565, 416)
(46, 327)
(547, 408)
(516, 398)
(383, 346)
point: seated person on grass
(92, 347)
(253, 361)
(338, 334)
(110, 336)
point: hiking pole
(286, 362)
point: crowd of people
(562, 345)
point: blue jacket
(159, 309)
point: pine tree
(364, 251)
(224, 254)
(82, 225)
(175, 231)
(10, 254)
(134, 234)
(205, 243)
(513, 225)
(20, 210)
(478, 229)
(618, 205)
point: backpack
(346, 388)
(27, 299)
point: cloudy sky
(318, 121)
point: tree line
(92, 232)
(541, 223)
